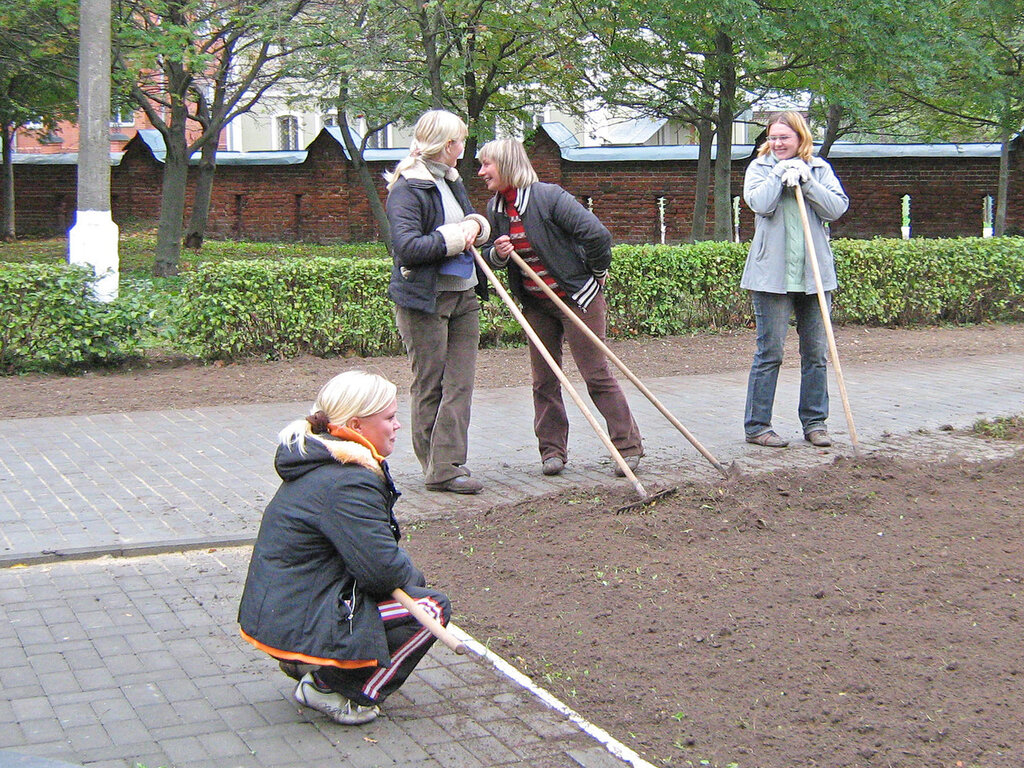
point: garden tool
(560, 375)
(428, 622)
(826, 316)
(732, 470)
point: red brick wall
(321, 199)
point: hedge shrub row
(50, 322)
(239, 309)
(284, 302)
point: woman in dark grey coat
(318, 592)
(436, 288)
(566, 245)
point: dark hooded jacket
(327, 551)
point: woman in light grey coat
(780, 277)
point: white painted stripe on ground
(614, 746)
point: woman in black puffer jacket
(318, 592)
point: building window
(288, 132)
(122, 118)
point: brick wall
(321, 199)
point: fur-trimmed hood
(291, 463)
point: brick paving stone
(113, 661)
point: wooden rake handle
(428, 622)
(566, 385)
(826, 316)
(616, 361)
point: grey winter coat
(327, 551)
(765, 269)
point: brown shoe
(631, 461)
(818, 438)
(460, 484)
(768, 439)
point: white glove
(796, 172)
(783, 165)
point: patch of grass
(1001, 428)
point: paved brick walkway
(112, 661)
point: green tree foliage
(982, 81)
(191, 66)
(38, 77)
(682, 61)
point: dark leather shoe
(819, 438)
(552, 465)
(631, 461)
(768, 439)
(460, 484)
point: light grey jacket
(765, 269)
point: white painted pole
(92, 240)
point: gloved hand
(797, 172)
(783, 165)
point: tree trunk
(7, 195)
(172, 205)
(832, 119)
(705, 141)
(1003, 188)
(428, 19)
(365, 178)
(200, 216)
(726, 112)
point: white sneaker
(332, 704)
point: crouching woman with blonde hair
(317, 596)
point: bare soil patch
(163, 382)
(864, 614)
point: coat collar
(521, 202)
(419, 172)
(352, 448)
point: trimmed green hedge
(287, 300)
(50, 322)
(924, 282)
(340, 306)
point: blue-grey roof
(55, 158)
(568, 144)
(561, 135)
(369, 155)
(639, 153)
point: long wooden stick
(567, 311)
(532, 334)
(436, 628)
(826, 316)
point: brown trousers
(442, 348)
(550, 423)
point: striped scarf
(517, 234)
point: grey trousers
(442, 348)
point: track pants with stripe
(408, 643)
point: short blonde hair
(795, 120)
(431, 135)
(511, 161)
(352, 394)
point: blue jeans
(772, 312)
